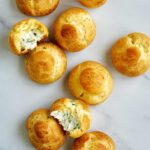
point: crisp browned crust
(46, 63)
(94, 141)
(16, 34)
(74, 29)
(131, 54)
(44, 132)
(92, 3)
(37, 7)
(90, 82)
(82, 113)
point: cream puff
(90, 82)
(94, 141)
(92, 3)
(74, 29)
(44, 132)
(37, 7)
(72, 115)
(46, 63)
(131, 54)
(25, 35)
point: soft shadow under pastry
(73, 115)
(46, 63)
(90, 82)
(74, 29)
(25, 35)
(92, 3)
(37, 7)
(44, 132)
(95, 140)
(131, 54)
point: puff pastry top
(25, 35)
(73, 115)
(92, 3)
(94, 141)
(74, 29)
(46, 64)
(37, 7)
(131, 54)
(43, 131)
(90, 82)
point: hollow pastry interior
(44, 132)
(74, 29)
(25, 35)
(131, 54)
(95, 140)
(90, 82)
(73, 116)
(92, 3)
(46, 64)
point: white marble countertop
(125, 115)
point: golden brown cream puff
(73, 116)
(90, 82)
(44, 132)
(94, 141)
(131, 54)
(74, 29)
(37, 7)
(92, 3)
(46, 63)
(25, 35)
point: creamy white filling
(68, 121)
(29, 39)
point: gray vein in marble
(111, 127)
(108, 120)
(146, 118)
(121, 143)
(147, 75)
(4, 23)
